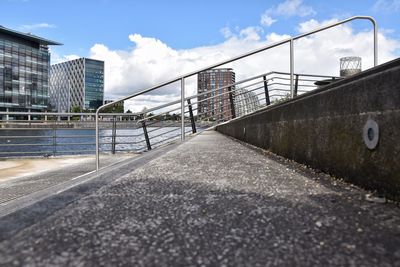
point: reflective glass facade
(24, 73)
(77, 83)
(94, 83)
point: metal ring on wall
(371, 134)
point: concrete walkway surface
(21, 177)
(213, 201)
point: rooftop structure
(26, 36)
(24, 69)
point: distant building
(350, 66)
(24, 71)
(213, 103)
(245, 102)
(77, 83)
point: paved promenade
(213, 202)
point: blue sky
(147, 42)
(79, 24)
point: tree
(76, 109)
(114, 109)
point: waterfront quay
(209, 201)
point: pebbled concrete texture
(324, 129)
(213, 201)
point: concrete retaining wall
(324, 129)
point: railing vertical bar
(296, 84)
(146, 135)
(55, 137)
(193, 123)
(183, 109)
(231, 100)
(267, 100)
(97, 142)
(291, 67)
(113, 135)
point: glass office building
(77, 83)
(24, 71)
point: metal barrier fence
(230, 101)
(52, 134)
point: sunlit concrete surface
(17, 168)
(20, 177)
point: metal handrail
(154, 124)
(233, 86)
(183, 77)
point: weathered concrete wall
(324, 129)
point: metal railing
(161, 124)
(181, 79)
(54, 134)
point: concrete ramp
(212, 201)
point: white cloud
(294, 8)
(226, 32)
(287, 8)
(274, 37)
(387, 6)
(267, 20)
(251, 34)
(29, 27)
(150, 61)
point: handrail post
(182, 109)
(97, 141)
(191, 116)
(54, 138)
(291, 68)
(375, 41)
(114, 134)
(267, 100)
